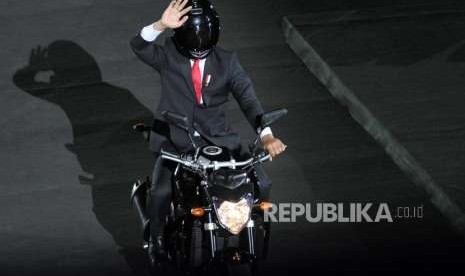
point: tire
(195, 256)
(239, 270)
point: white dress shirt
(149, 34)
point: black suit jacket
(177, 95)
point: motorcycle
(217, 215)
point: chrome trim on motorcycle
(197, 165)
(250, 236)
(139, 189)
(210, 226)
(212, 237)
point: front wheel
(239, 270)
(195, 256)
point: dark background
(68, 157)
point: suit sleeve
(149, 52)
(242, 89)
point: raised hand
(35, 77)
(174, 15)
(38, 60)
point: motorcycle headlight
(234, 215)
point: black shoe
(156, 250)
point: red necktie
(197, 81)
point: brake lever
(267, 157)
(261, 157)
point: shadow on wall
(101, 115)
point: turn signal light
(198, 212)
(265, 205)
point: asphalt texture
(400, 74)
(69, 158)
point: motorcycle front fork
(210, 226)
(250, 236)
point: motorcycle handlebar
(215, 164)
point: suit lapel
(186, 71)
(205, 81)
(184, 67)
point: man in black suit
(197, 79)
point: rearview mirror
(176, 119)
(271, 117)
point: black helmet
(197, 37)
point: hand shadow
(101, 116)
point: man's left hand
(273, 145)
